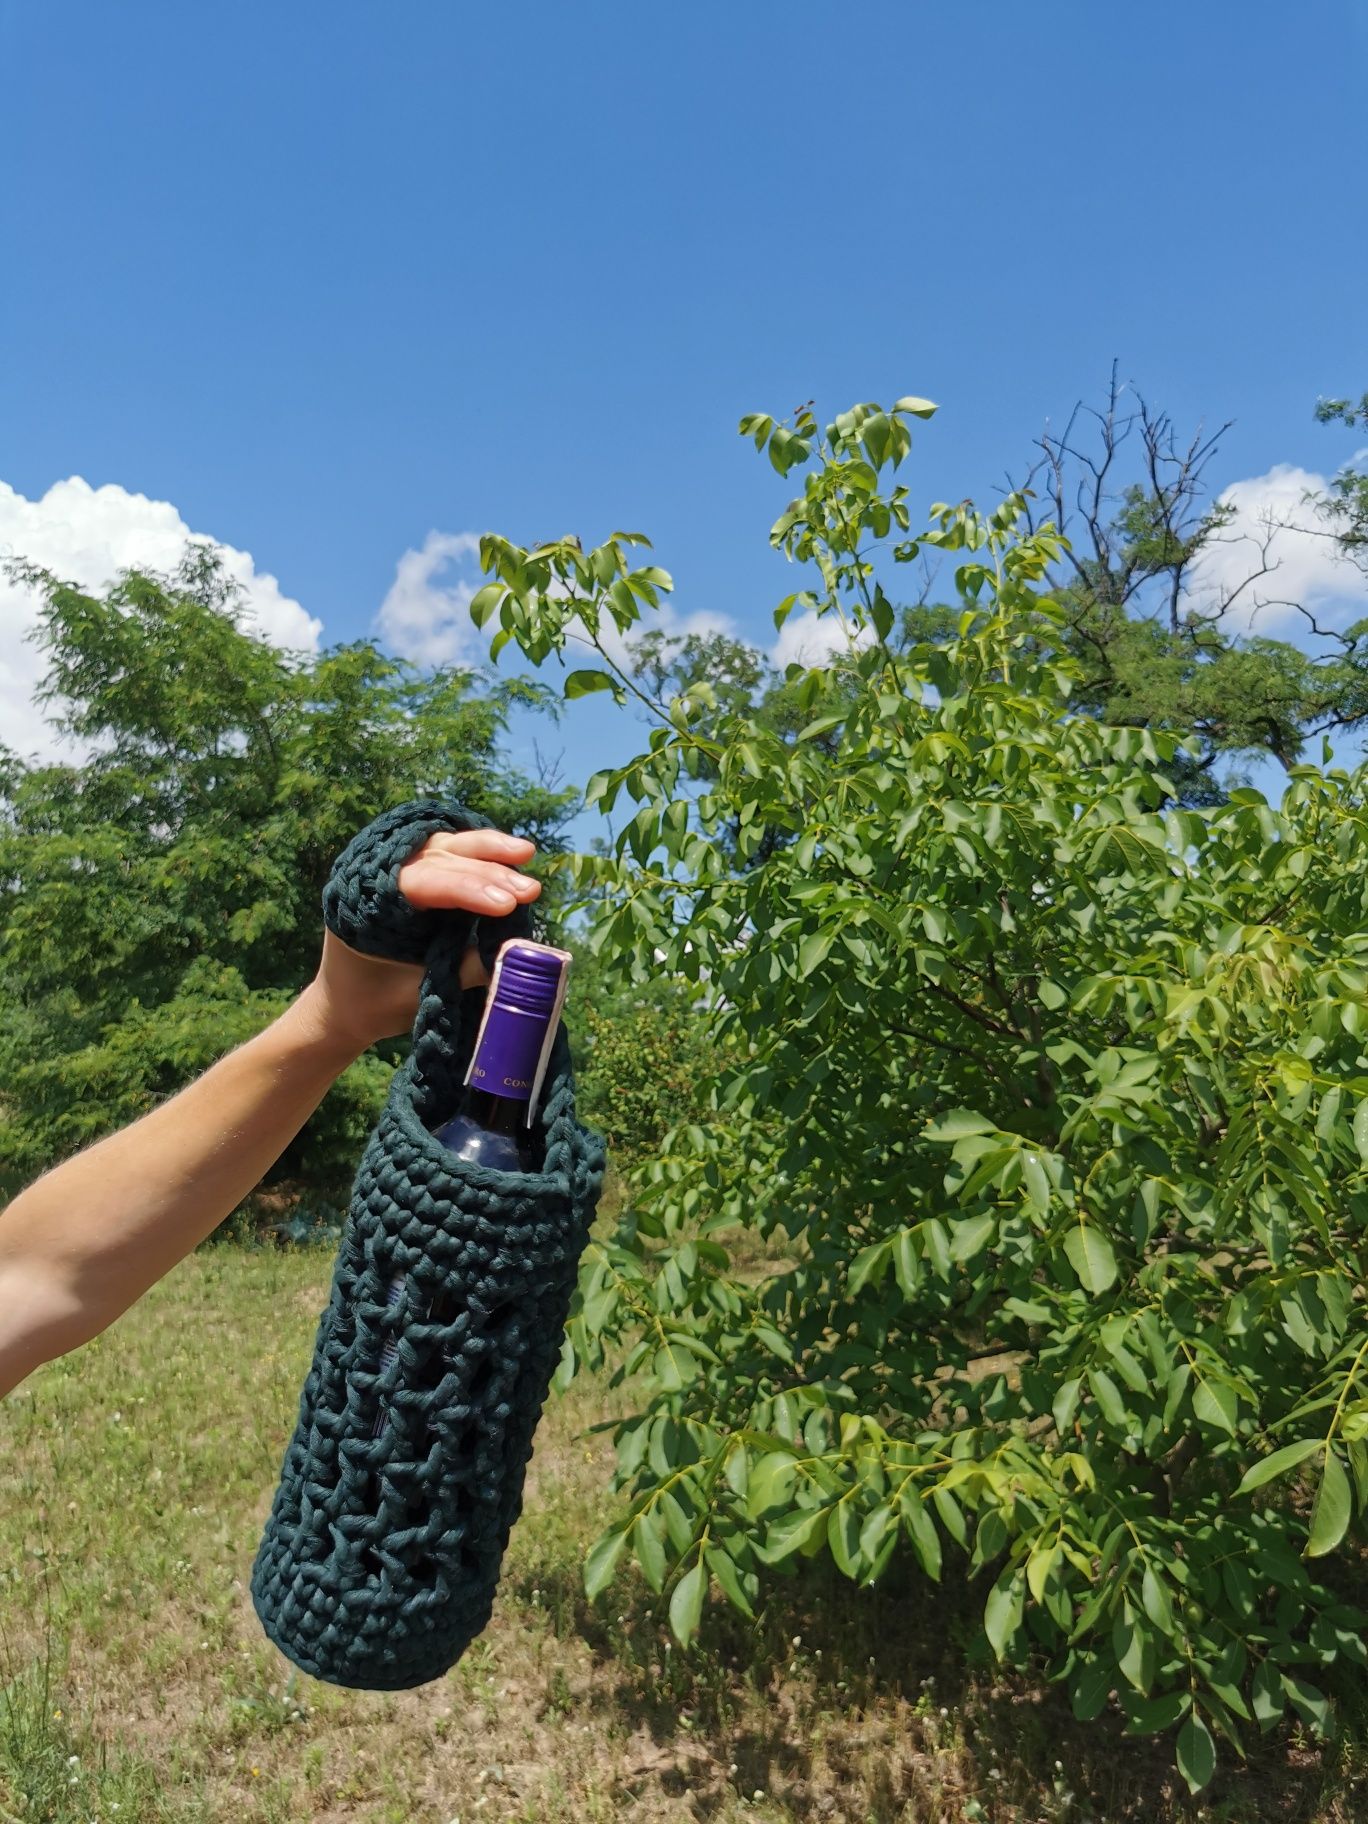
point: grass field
(134, 1478)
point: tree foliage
(1346, 505)
(643, 1058)
(159, 898)
(1049, 1092)
(1164, 598)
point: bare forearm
(85, 1242)
(88, 1239)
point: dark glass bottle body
(491, 1130)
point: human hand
(356, 999)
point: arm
(88, 1239)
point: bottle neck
(497, 1114)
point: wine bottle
(493, 1126)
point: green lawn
(135, 1477)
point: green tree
(643, 1055)
(738, 680)
(159, 900)
(1048, 1091)
(1346, 505)
(1154, 648)
(1158, 645)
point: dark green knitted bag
(382, 1553)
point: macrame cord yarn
(380, 1559)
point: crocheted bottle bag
(381, 1556)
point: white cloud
(1275, 526)
(86, 536)
(425, 616)
(810, 639)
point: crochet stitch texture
(380, 1559)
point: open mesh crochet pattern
(381, 1556)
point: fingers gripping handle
(363, 906)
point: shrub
(645, 1061)
(1056, 1090)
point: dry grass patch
(137, 1474)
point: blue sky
(328, 280)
